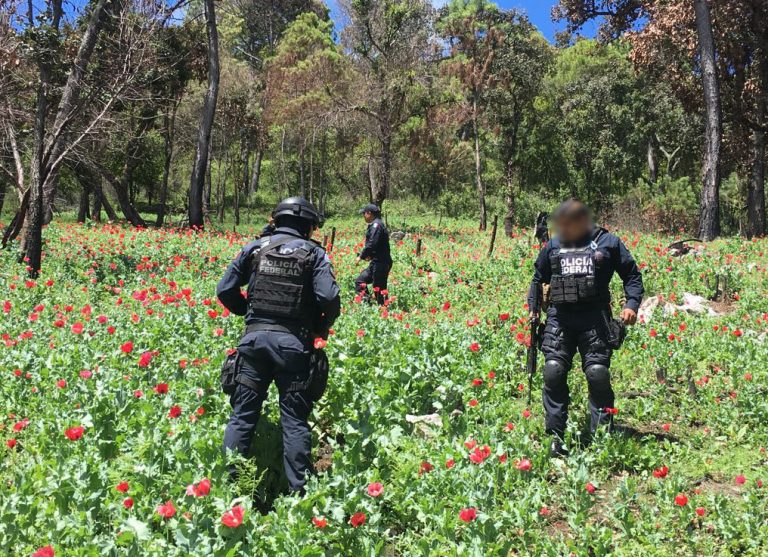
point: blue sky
(539, 12)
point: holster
(318, 375)
(615, 332)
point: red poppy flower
(11, 443)
(145, 359)
(375, 489)
(320, 343)
(357, 520)
(166, 510)
(666, 427)
(319, 521)
(524, 464)
(61, 383)
(161, 388)
(661, 472)
(474, 347)
(526, 413)
(425, 468)
(590, 487)
(233, 518)
(127, 347)
(544, 511)
(46, 551)
(477, 382)
(77, 328)
(203, 488)
(450, 463)
(701, 511)
(128, 502)
(681, 500)
(473, 403)
(122, 487)
(74, 433)
(740, 480)
(468, 515)
(174, 412)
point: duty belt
(299, 332)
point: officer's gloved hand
(629, 316)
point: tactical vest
(281, 285)
(574, 272)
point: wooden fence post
(418, 247)
(333, 238)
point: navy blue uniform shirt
(376, 242)
(238, 274)
(616, 259)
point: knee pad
(554, 373)
(598, 376)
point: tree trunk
(50, 147)
(509, 218)
(101, 200)
(381, 186)
(323, 175)
(208, 182)
(756, 188)
(653, 160)
(709, 223)
(169, 123)
(756, 221)
(96, 211)
(121, 191)
(479, 167)
(83, 212)
(256, 176)
(197, 180)
(220, 189)
(32, 239)
(302, 177)
(56, 143)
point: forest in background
(187, 113)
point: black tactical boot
(557, 448)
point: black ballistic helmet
(371, 208)
(300, 208)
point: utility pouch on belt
(229, 373)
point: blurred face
(572, 229)
(368, 216)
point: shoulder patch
(375, 224)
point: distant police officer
(292, 298)
(376, 251)
(578, 265)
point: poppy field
(112, 417)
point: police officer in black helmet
(376, 252)
(578, 265)
(292, 298)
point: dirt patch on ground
(723, 307)
(324, 457)
(718, 486)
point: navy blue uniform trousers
(560, 344)
(279, 358)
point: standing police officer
(578, 265)
(376, 251)
(292, 298)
